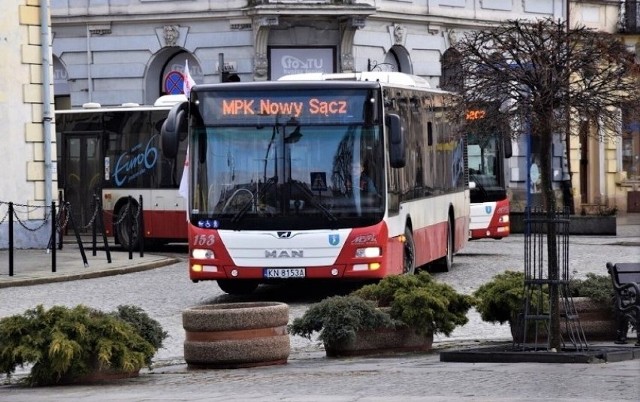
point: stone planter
(235, 335)
(596, 319)
(382, 341)
(99, 376)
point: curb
(67, 277)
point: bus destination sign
(312, 106)
(260, 108)
(475, 114)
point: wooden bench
(626, 285)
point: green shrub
(147, 327)
(420, 302)
(500, 299)
(338, 318)
(417, 302)
(66, 343)
(596, 287)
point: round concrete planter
(235, 335)
(382, 341)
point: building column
(261, 28)
(348, 31)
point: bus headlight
(202, 254)
(368, 252)
(504, 219)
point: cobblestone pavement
(309, 376)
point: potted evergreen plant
(78, 345)
(593, 298)
(397, 314)
(501, 300)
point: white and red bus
(115, 153)
(277, 179)
(487, 154)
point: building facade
(117, 51)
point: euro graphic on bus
(346, 177)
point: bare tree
(542, 79)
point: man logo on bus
(487, 209)
(334, 239)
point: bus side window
(397, 141)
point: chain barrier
(93, 217)
(123, 215)
(61, 220)
(4, 218)
(136, 214)
(30, 208)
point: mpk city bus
(487, 154)
(114, 153)
(344, 177)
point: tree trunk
(546, 157)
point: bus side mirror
(173, 128)
(396, 137)
(508, 151)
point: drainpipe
(602, 170)
(46, 100)
(89, 79)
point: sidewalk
(35, 266)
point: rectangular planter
(383, 341)
(578, 224)
(597, 321)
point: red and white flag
(183, 190)
(187, 82)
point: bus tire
(444, 264)
(122, 230)
(237, 286)
(409, 254)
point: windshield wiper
(262, 191)
(315, 202)
(480, 187)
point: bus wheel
(409, 260)
(126, 236)
(237, 287)
(444, 264)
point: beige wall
(21, 105)
(604, 175)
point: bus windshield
(484, 169)
(293, 169)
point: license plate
(281, 273)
